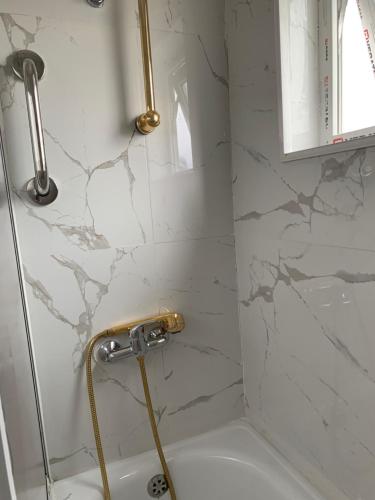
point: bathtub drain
(157, 486)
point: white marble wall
(140, 225)
(305, 242)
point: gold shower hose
(173, 323)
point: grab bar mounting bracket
(19, 58)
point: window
(182, 154)
(346, 69)
(327, 50)
(357, 103)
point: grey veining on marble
(305, 246)
(139, 226)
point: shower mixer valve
(144, 337)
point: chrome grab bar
(29, 67)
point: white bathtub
(233, 462)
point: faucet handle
(137, 340)
(111, 350)
(146, 336)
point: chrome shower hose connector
(96, 3)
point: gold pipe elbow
(147, 122)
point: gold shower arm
(147, 122)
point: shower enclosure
(26, 468)
(269, 387)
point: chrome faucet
(144, 337)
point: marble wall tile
(309, 373)
(322, 200)
(191, 167)
(196, 277)
(304, 244)
(140, 226)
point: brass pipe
(173, 323)
(147, 122)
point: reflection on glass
(182, 148)
(185, 159)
